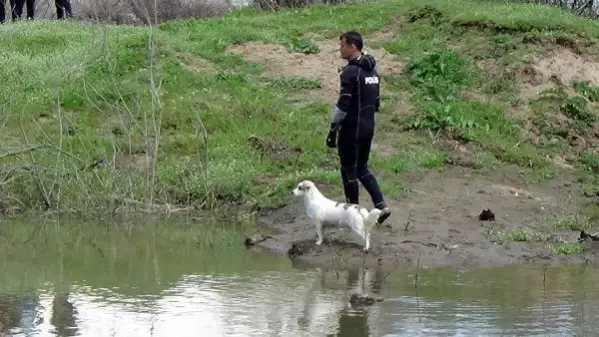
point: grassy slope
(120, 99)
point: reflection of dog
(324, 211)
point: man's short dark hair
(353, 38)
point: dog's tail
(371, 219)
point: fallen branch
(21, 151)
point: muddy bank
(438, 224)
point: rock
(294, 251)
(586, 236)
(255, 239)
(486, 215)
(361, 300)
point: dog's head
(304, 188)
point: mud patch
(389, 32)
(437, 225)
(276, 151)
(196, 64)
(322, 66)
(568, 67)
(134, 162)
(562, 68)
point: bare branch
(21, 151)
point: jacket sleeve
(349, 82)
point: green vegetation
(568, 249)
(519, 235)
(111, 118)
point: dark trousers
(353, 155)
(3, 10)
(17, 12)
(63, 9)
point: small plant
(442, 118)
(568, 249)
(517, 235)
(296, 83)
(470, 119)
(441, 75)
(590, 160)
(587, 90)
(426, 12)
(526, 235)
(302, 46)
(577, 109)
(573, 223)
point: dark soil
(437, 224)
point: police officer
(353, 121)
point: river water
(152, 283)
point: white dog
(324, 211)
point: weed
(302, 46)
(441, 76)
(518, 235)
(295, 83)
(574, 107)
(526, 235)
(568, 249)
(573, 223)
(587, 90)
(577, 109)
(590, 160)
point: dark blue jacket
(359, 97)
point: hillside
(491, 108)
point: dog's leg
(367, 241)
(318, 226)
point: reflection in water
(354, 322)
(312, 303)
(63, 315)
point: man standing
(353, 121)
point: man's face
(346, 50)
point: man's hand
(332, 137)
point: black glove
(332, 137)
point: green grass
(568, 249)
(574, 223)
(98, 100)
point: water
(152, 283)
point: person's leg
(59, 9)
(66, 5)
(2, 11)
(30, 9)
(369, 181)
(347, 150)
(17, 9)
(63, 9)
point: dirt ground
(435, 225)
(321, 66)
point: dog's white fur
(324, 211)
